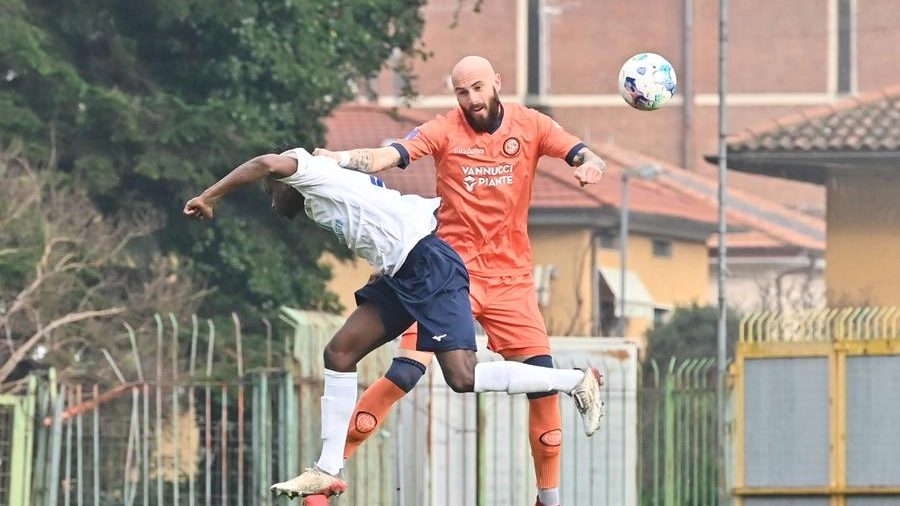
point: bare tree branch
(69, 265)
(22, 206)
(24, 349)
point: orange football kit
(485, 182)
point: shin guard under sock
(545, 436)
(372, 408)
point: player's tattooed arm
(367, 161)
(589, 166)
(585, 155)
(361, 160)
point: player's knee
(460, 379)
(405, 373)
(460, 382)
(540, 361)
(339, 360)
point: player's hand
(590, 172)
(199, 209)
(324, 152)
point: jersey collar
(498, 122)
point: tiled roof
(355, 125)
(556, 187)
(751, 239)
(676, 193)
(744, 210)
(867, 123)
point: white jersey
(378, 224)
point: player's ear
(497, 81)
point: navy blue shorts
(431, 288)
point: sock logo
(551, 437)
(365, 422)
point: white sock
(548, 496)
(519, 378)
(338, 402)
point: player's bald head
(476, 86)
(471, 69)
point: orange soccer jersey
(485, 182)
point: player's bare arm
(251, 171)
(589, 167)
(368, 161)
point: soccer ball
(647, 81)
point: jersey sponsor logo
(337, 227)
(467, 151)
(412, 134)
(511, 146)
(469, 181)
(490, 175)
(376, 181)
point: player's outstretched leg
(516, 378)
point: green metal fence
(161, 443)
(185, 439)
(677, 412)
(16, 435)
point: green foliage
(692, 332)
(148, 101)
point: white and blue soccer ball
(647, 81)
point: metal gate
(817, 408)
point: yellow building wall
(862, 256)
(569, 249)
(681, 279)
(678, 280)
(347, 277)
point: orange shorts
(507, 309)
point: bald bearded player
(486, 155)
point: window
(609, 241)
(661, 316)
(662, 248)
(609, 323)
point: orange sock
(545, 435)
(371, 409)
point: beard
(489, 121)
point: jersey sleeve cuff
(404, 154)
(570, 156)
(302, 156)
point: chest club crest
(511, 146)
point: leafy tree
(147, 101)
(692, 332)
